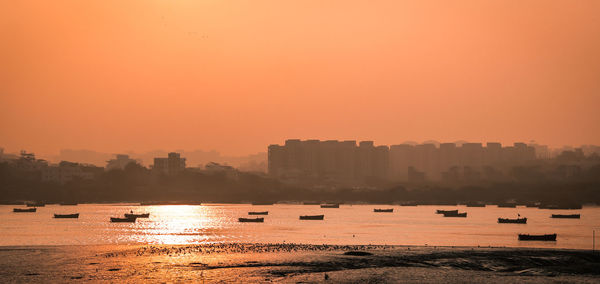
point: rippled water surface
(350, 224)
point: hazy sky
(236, 76)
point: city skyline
(99, 158)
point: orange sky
(235, 76)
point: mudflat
(295, 263)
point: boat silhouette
(527, 237)
(251, 220)
(455, 214)
(513, 221)
(383, 210)
(312, 217)
(66, 216)
(24, 210)
(259, 213)
(566, 216)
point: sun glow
(175, 224)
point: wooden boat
(65, 216)
(383, 210)
(446, 211)
(24, 210)
(68, 204)
(122, 220)
(456, 214)
(548, 237)
(507, 205)
(259, 213)
(566, 216)
(312, 217)
(513, 221)
(475, 204)
(133, 215)
(330, 205)
(37, 204)
(251, 220)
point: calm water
(356, 224)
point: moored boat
(547, 237)
(566, 216)
(251, 220)
(133, 215)
(24, 210)
(66, 216)
(259, 213)
(330, 205)
(390, 210)
(312, 217)
(455, 214)
(513, 221)
(122, 220)
(446, 211)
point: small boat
(251, 220)
(475, 204)
(23, 210)
(65, 216)
(68, 204)
(262, 203)
(312, 217)
(383, 210)
(507, 205)
(259, 213)
(37, 204)
(311, 203)
(455, 214)
(122, 220)
(513, 221)
(566, 216)
(330, 205)
(548, 237)
(446, 211)
(133, 215)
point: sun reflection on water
(176, 224)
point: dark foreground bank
(293, 263)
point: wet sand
(294, 263)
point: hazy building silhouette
(120, 162)
(345, 162)
(171, 165)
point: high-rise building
(171, 165)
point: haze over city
(211, 75)
(299, 141)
